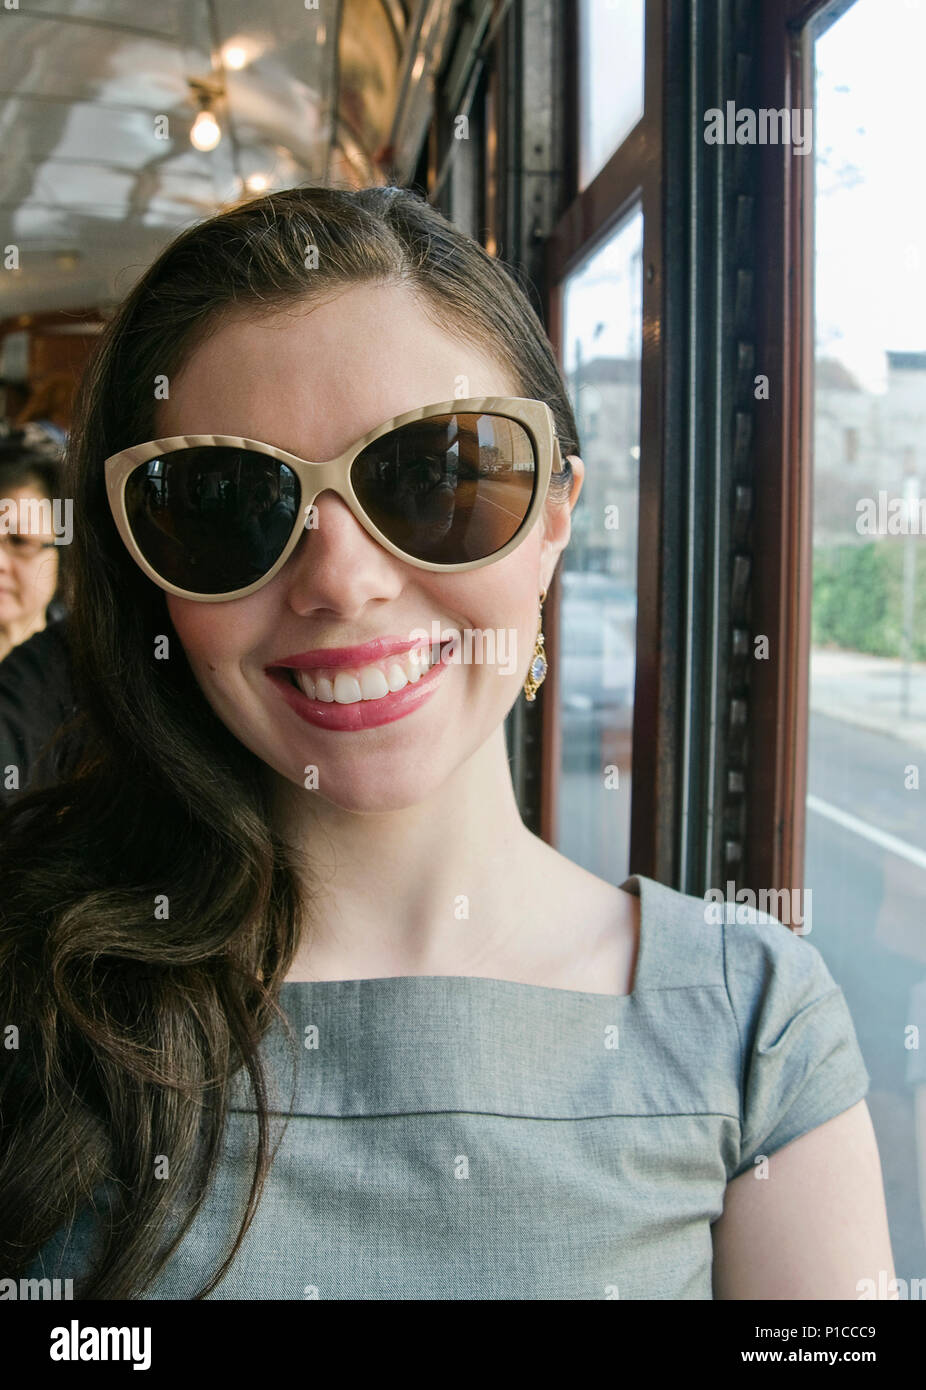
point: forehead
(33, 510)
(313, 378)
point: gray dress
(453, 1137)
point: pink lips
(363, 714)
(363, 655)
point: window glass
(611, 36)
(602, 325)
(866, 814)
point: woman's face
(28, 563)
(313, 382)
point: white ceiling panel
(82, 83)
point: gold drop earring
(538, 667)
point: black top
(36, 698)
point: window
(865, 855)
(611, 46)
(602, 332)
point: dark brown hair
(130, 1027)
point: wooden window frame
(784, 454)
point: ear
(558, 524)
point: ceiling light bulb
(205, 133)
(234, 56)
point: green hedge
(858, 597)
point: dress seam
(494, 1114)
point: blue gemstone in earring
(538, 668)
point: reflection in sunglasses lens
(212, 519)
(449, 488)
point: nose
(337, 564)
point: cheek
(504, 597)
(46, 580)
(213, 635)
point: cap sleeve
(800, 1060)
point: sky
(871, 189)
(870, 262)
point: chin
(363, 784)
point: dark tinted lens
(212, 519)
(449, 488)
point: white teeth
(397, 677)
(347, 690)
(372, 682)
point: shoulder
(707, 941)
(31, 661)
(772, 973)
(799, 1062)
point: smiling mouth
(349, 685)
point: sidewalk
(868, 691)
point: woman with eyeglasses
(29, 557)
(303, 1009)
(36, 695)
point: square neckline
(642, 956)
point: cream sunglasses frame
(535, 417)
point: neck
(431, 888)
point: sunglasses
(447, 487)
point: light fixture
(205, 132)
(234, 56)
(238, 52)
(256, 183)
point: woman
(305, 1010)
(36, 699)
(30, 577)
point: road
(869, 924)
